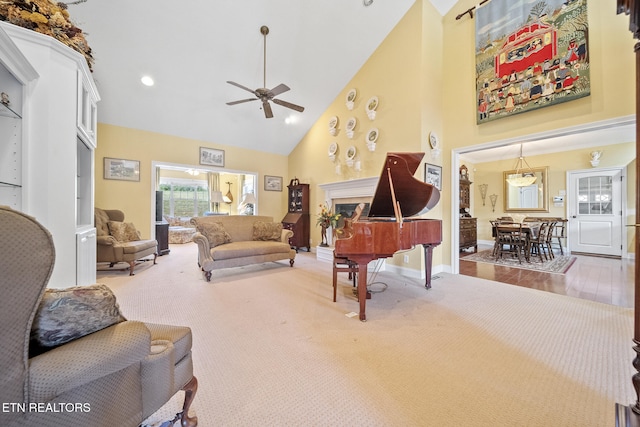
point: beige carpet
(272, 349)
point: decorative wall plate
(351, 153)
(372, 104)
(333, 122)
(372, 135)
(434, 141)
(333, 149)
(351, 95)
(351, 123)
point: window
(183, 197)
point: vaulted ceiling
(192, 48)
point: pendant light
(523, 177)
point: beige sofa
(239, 240)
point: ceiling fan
(263, 94)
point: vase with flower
(326, 218)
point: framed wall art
(530, 55)
(433, 175)
(272, 183)
(121, 169)
(211, 157)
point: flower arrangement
(326, 218)
(47, 17)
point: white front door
(595, 212)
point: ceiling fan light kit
(264, 94)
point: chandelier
(523, 177)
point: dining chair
(511, 240)
(538, 244)
(549, 239)
(494, 224)
(559, 233)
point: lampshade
(523, 176)
(521, 180)
(216, 197)
(248, 199)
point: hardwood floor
(606, 280)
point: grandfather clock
(468, 226)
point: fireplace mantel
(362, 187)
(351, 189)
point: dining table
(529, 229)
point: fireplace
(343, 197)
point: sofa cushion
(137, 246)
(67, 314)
(267, 231)
(248, 249)
(124, 231)
(215, 233)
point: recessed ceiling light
(147, 81)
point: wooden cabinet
(297, 219)
(465, 195)
(162, 237)
(469, 233)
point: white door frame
(623, 203)
(626, 125)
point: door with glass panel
(595, 212)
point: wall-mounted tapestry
(530, 55)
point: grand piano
(389, 227)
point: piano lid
(414, 196)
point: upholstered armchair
(115, 376)
(119, 241)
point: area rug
(560, 264)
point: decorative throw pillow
(67, 314)
(215, 233)
(124, 231)
(267, 231)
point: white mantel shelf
(361, 187)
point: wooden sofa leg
(155, 257)
(207, 275)
(189, 393)
(132, 264)
(291, 262)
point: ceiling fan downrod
(264, 30)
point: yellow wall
(404, 73)
(135, 198)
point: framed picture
(211, 157)
(272, 183)
(121, 169)
(433, 175)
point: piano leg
(428, 255)
(362, 289)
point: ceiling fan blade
(241, 101)
(241, 87)
(281, 88)
(267, 109)
(288, 105)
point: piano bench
(343, 265)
